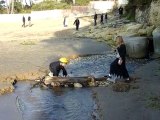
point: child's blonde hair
(119, 40)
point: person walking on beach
(120, 10)
(101, 21)
(29, 21)
(106, 17)
(118, 66)
(65, 22)
(57, 66)
(95, 19)
(23, 20)
(77, 23)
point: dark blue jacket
(55, 68)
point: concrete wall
(48, 14)
(106, 6)
(102, 6)
(95, 6)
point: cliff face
(154, 13)
(150, 15)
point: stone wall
(154, 14)
(151, 15)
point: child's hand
(120, 62)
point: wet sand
(135, 104)
(8, 109)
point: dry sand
(45, 42)
(27, 52)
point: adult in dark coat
(101, 21)
(23, 20)
(57, 66)
(106, 17)
(95, 19)
(65, 21)
(120, 11)
(77, 23)
(118, 66)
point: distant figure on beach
(65, 22)
(29, 21)
(101, 21)
(118, 66)
(23, 20)
(120, 10)
(95, 19)
(57, 66)
(77, 23)
(106, 17)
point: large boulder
(142, 32)
(133, 28)
(127, 34)
(136, 46)
(149, 30)
(156, 40)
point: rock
(121, 87)
(92, 82)
(142, 32)
(136, 46)
(133, 28)
(77, 85)
(65, 85)
(142, 16)
(55, 84)
(156, 40)
(107, 37)
(102, 83)
(6, 88)
(149, 30)
(48, 80)
(128, 34)
(91, 29)
(154, 14)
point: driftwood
(87, 81)
(75, 81)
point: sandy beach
(26, 53)
(137, 104)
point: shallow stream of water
(66, 103)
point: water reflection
(57, 104)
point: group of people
(117, 67)
(102, 18)
(24, 21)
